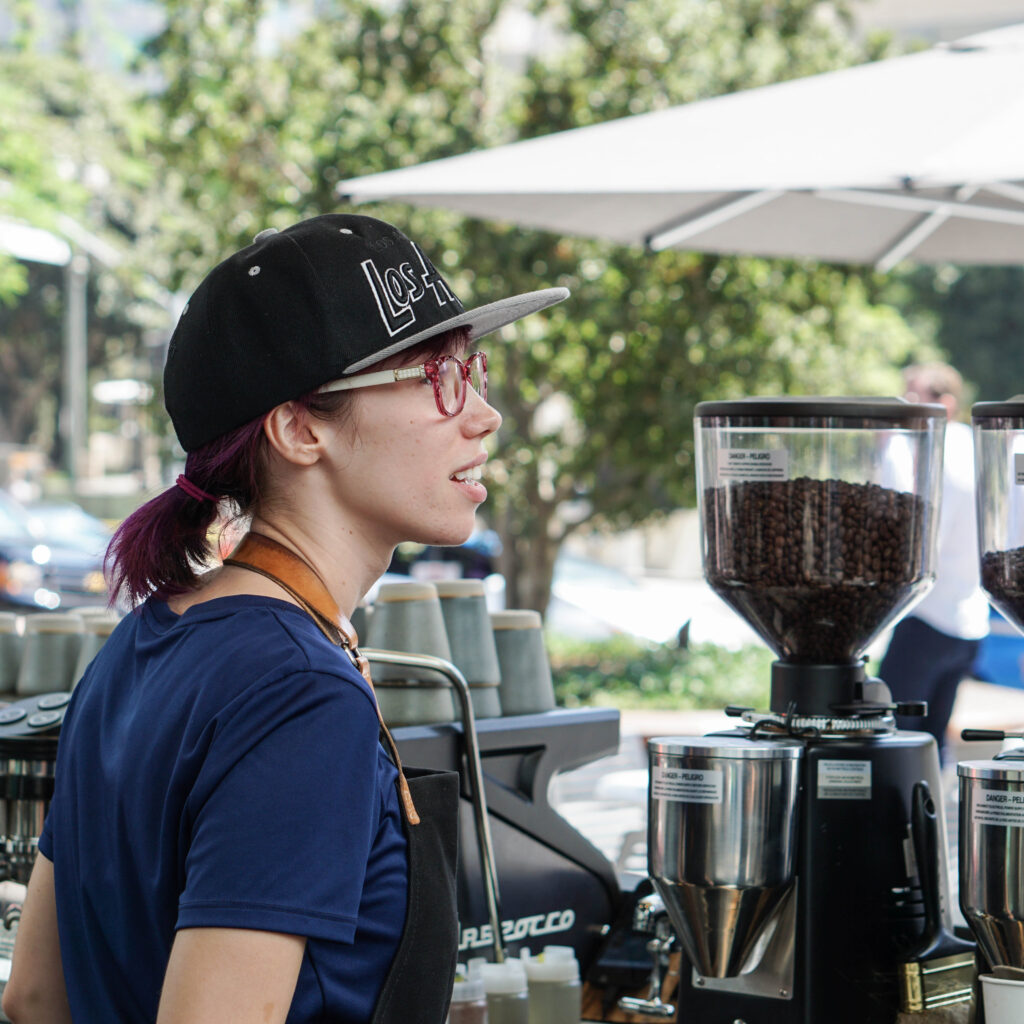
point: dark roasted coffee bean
(1002, 576)
(817, 566)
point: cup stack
(407, 617)
(97, 628)
(471, 639)
(360, 620)
(52, 643)
(526, 686)
(11, 646)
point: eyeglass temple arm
(366, 380)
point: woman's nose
(479, 416)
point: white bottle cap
(507, 978)
(555, 964)
(468, 991)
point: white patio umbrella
(919, 156)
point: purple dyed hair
(162, 547)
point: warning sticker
(999, 807)
(844, 780)
(1018, 468)
(753, 464)
(686, 785)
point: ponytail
(162, 547)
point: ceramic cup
(97, 629)
(471, 639)
(407, 617)
(526, 686)
(52, 643)
(11, 645)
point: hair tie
(192, 490)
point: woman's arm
(35, 993)
(230, 976)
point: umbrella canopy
(919, 156)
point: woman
(230, 840)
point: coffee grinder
(782, 849)
(991, 829)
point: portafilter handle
(980, 735)
(650, 917)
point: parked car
(42, 570)
(69, 525)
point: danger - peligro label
(753, 464)
(686, 785)
(999, 807)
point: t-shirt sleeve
(46, 840)
(283, 813)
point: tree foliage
(979, 313)
(242, 129)
(73, 161)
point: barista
(232, 838)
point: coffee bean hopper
(782, 849)
(991, 829)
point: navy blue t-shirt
(223, 768)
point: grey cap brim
(481, 321)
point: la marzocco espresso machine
(783, 849)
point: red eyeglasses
(448, 375)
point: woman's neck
(347, 567)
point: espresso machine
(991, 824)
(29, 729)
(782, 849)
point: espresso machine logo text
(473, 937)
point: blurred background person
(934, 647)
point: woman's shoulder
(247, 642)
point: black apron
(418, 986)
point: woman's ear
(293, 434)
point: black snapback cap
(304, 306)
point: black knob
(736, 710)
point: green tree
(597, 394)
(72, 161)
(979, 313)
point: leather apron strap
(267, 557)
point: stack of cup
(360, 619)
(471, 639)
(407, 617)
(98, 626)
(52, 643)
(11, 644)
(526, 686)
